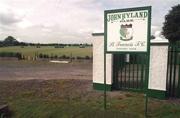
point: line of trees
(11, 41)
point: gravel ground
(29, 70)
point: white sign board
(126, 30)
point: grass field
(76, 99)
(50, 50)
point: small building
(128, 71)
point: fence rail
(173, 72)
(129, 71)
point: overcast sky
(67, 21)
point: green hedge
(62, 57)
(11, 54)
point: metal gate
(173, 72)
(129, 71)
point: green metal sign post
(104, 80)
(127, 31)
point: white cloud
(67, 20)
(8, 17)
(24, 24)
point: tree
(10, 41)
(171, 28)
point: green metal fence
(129, 71)
(173, 71)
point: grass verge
(76, 99)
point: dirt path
(28, 70)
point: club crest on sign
(126, 32)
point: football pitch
(49, 50)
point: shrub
(46, 56)
(19, 55)
(73, 58)
(55, 56)
(43, 55)
(87, 57)
(64, 57)
(78, 57)
(40, 55)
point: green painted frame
(97, 34)
(148, 8)
(99, 86)
(127, 10)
